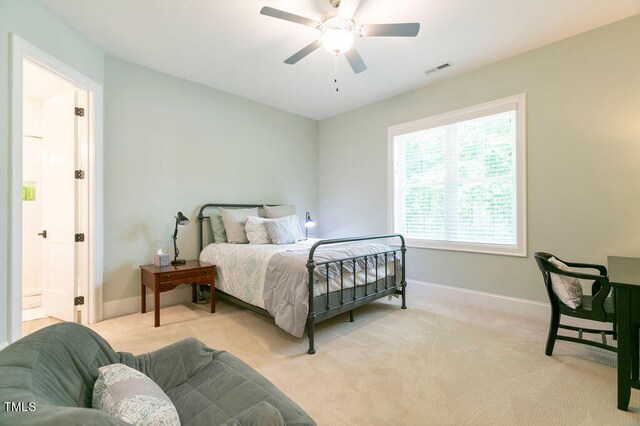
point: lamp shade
(182, 219)
(308, 222)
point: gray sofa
(56, 367)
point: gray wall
(173, 145)
(31, 22)
(583, 118)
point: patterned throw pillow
(284, 230)
(568, 289)
(256, 231)
(132, 397)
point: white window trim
(488, 108)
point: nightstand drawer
(167, 286)
(186, 276)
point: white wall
(583, 119)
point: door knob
(43, 233)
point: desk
(624, 276)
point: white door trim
(21, 49)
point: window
(457, 180)
(29, 191)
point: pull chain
(335, 72)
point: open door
(59, 207)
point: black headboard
(202, 217)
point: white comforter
(242, 267)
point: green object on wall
(29, 191)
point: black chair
(597, 307)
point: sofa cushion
(227, 387)
(263, 414)
(56, 368)
(58, 364)
(173, 364)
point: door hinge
(78, 300)
(79, 112)
(79, 238)
(79, 174)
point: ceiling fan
(339, 30)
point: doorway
(55, 138)
(55, 261)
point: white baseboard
(131, 305)
(497, 303)
(3, 345)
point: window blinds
(457, 182)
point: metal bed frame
(334, 303)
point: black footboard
(334, 303)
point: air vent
(438, 68)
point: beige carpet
(32, 326)
(430, 364)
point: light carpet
(434, 363)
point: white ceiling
(228, 45)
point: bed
(304, 283)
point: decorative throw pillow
(284, 230)
(274, 212)
(132, 397)
(256, 231)
(234, 221)
(219, 236)
(568, 289)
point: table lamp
(308, 223)
(181, 220)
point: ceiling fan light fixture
(337, 41)
(337, 34)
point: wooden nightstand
(165, 278)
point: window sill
(515, 251)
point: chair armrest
(174, 364)
(579, 275)
(600, 268)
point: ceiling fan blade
(348, 8)
(391, 30)
(281, 14)
(355, 60)
(302, 53)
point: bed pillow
(284, 230)
(132, 397)
(219, 236)
(568, 289)
(234, 221)
(256, 231)
(274, 212)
